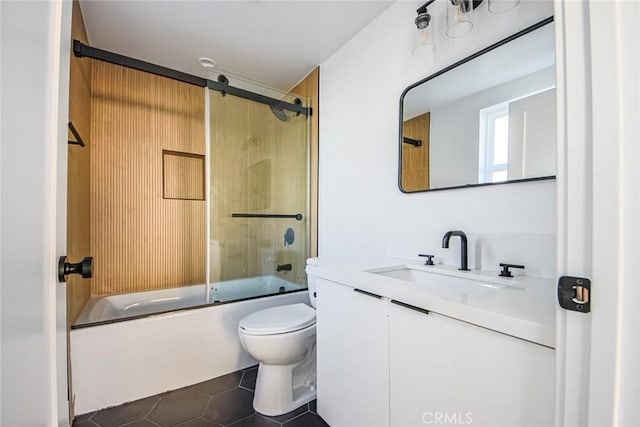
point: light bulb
(459, 13)
(423, 37)
(423, 44)
(459, 18)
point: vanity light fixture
(502, 6)
(459, 17)
(423, 43)
(459, 21)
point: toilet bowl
(283, 340)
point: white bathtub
(120, 361)
(109, 308)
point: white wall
(361, 211)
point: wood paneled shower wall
(140, 240)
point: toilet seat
(279, 320)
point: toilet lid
(278, 320)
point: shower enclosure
(198, 196)
(258, 204)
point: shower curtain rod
(81, 50)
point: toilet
(283, 340)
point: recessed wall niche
(183, 175)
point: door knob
(84, 268)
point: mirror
(488, 119)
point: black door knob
(84, 268)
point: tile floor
(222, 401)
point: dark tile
(83, 417)
(230, 406)
(85, 423)
(255, 421)
(179, 406)
(306, 420)
(289, 415)
(249, 378)
(199, 422)
(313, 406)
(220, 384)
(112, 417)
(140, 423)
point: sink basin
(440, 281)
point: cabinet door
(352, 357)
(444, 371)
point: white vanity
(401, 344)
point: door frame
(598, 210)
(61, 40)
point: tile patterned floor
(220, 402)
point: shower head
(279, 113)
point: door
(34, 81)
(598, 210)
(352, 356)
(444, 371)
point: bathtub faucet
(283, 267)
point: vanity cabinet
(383, 362)
(445, 371)
(352, 356)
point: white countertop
(522, 306)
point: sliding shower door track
(82, 50)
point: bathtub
(124, 359)
(134, 305)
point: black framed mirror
(487, 119)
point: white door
(444, 371)
(34, 84)
(352, 356)
(598, 372)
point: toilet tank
(312, 281)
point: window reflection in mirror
(488, 119)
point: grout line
(299, 415)
(151, 421)
(244, 388)
(206, 406)
(154, 406)
(128, 423)
(237, 421)
(270, 419)
(185, 421)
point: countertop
(522, 306)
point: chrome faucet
(463, 246)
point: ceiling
(275, 43)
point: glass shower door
(258, 205)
